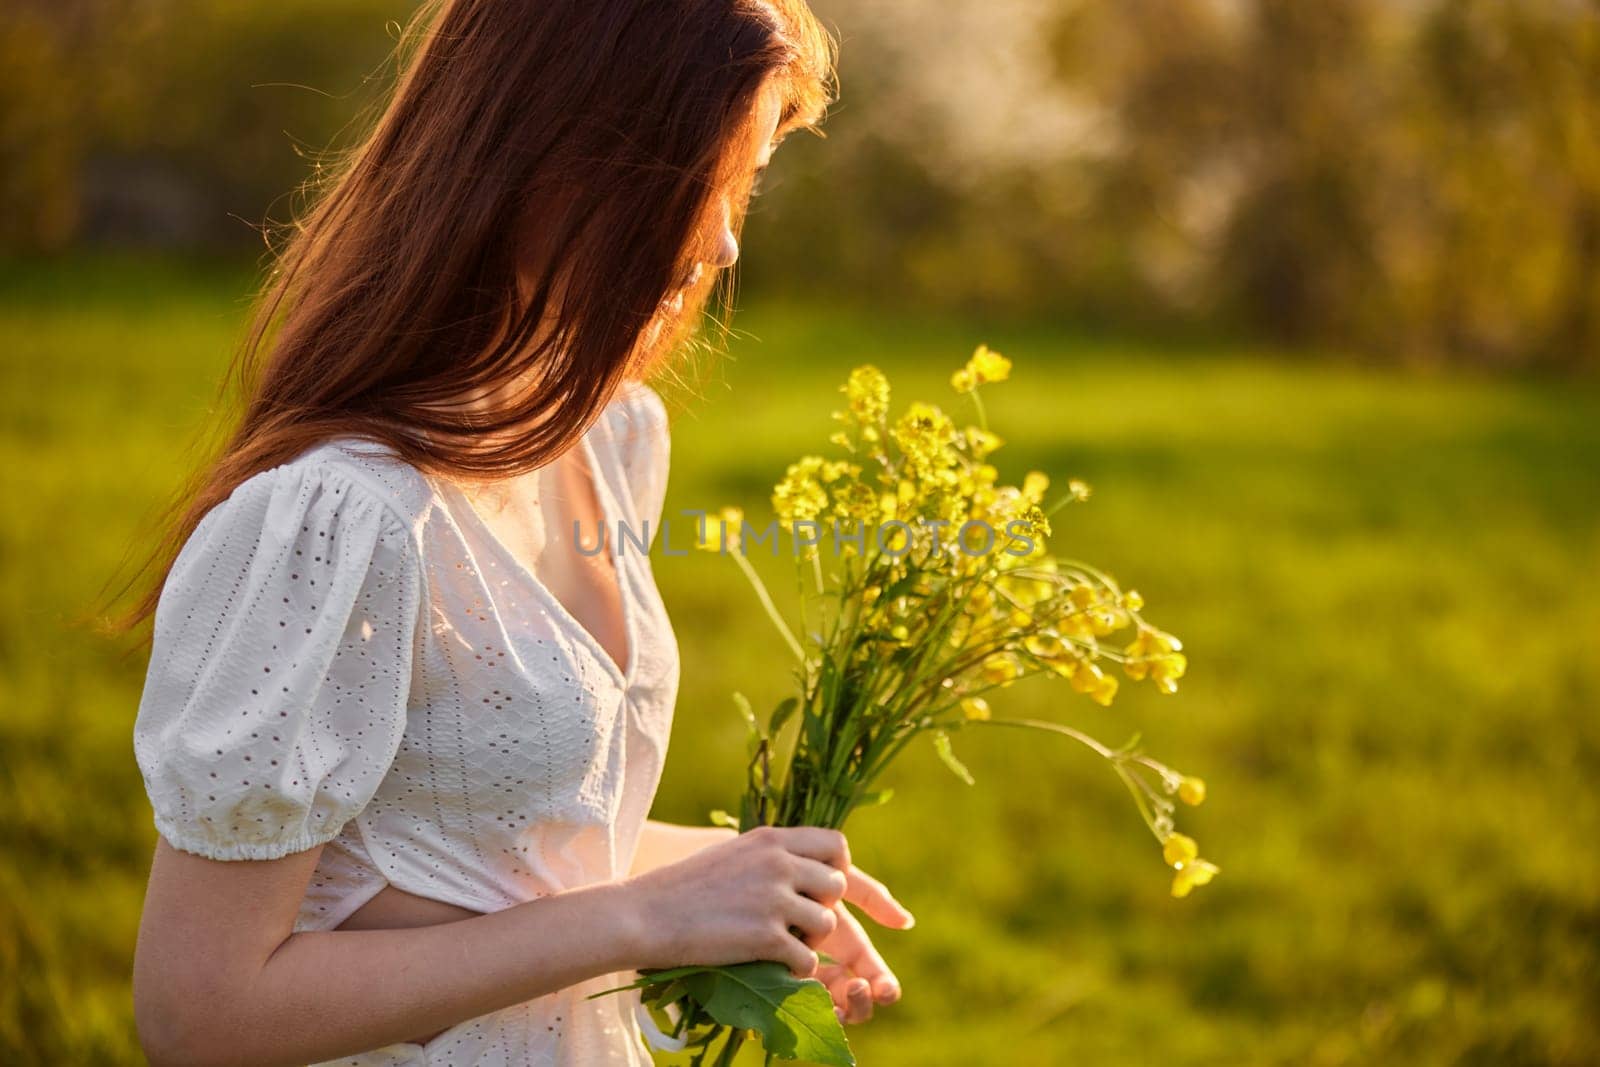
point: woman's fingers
(858, 1001)
(851, 946)
(801, 961)
(852, 998)
(822, 883)
(786, 946)
(824, 846)
(872, 897)
(816, 922)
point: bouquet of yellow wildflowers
(941, 592)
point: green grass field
(1388, 586)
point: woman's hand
(776, 894)
(739, 900)
(858, 978)
(763, 895)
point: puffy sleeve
(644, 447)
(280, 667)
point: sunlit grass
(1387, 586)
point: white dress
(344, 654)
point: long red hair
(527, 199)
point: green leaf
(793, 1016)
(749, 817)
(875, 798)
(941, 745)
(646, 979)
(781, 715)
(899, 588)
(756, 735)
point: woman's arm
(221, 978)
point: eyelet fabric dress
(345, 655)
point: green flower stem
(1054, 728)
(771, 608)
(1136, 786)
(977, 404)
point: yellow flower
(963, 380)
(1154, 654)
(1086, 677)
(868, 392)
(1076, 625)
(1064, 667)
(1103, 621)
(800, 496)
(1104, 691)
(1079, 491)
(855, 501)
(927, 436)
(976, 709)
(1045, 646)
(1034, 487)
(1192, 790)
(834, 469)
(720, 532)
(1179, 850)
(1196, 872)
(895, 540)
(999, 669)
(1169, 667)
(981, 443)
(987, 365)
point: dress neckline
(610, 519)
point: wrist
(638, 943)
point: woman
(399, 733)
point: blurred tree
(41, 144)
(1416, 178)
(175, 122)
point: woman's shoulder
(638, 399)
(357, 492)
(638, 424)
(360, 470)
(284, 638)
(359, 497)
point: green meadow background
(1308, 291)
(1388, 584)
